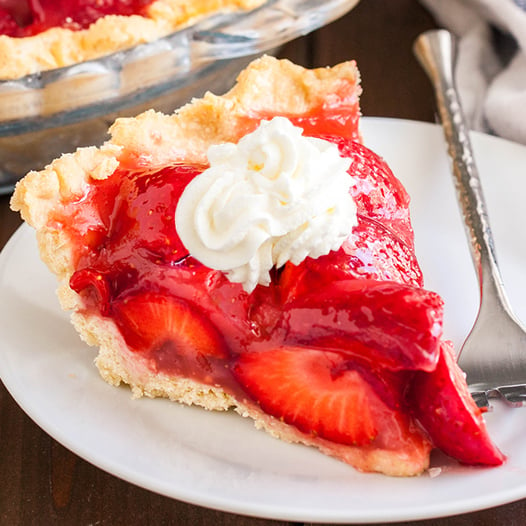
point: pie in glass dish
(250, 253)
(40, 35)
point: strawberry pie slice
(250, 253)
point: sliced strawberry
(173, 333)
(325, 395)
(443, 405)
(312, 391)
(378, 194)
(370, 252)
(395, 326)
(374, 253)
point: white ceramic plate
(220, 460)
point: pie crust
(58, 47)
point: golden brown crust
(267, 86)
(59, 47)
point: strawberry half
(380, 246)
(378, 194)
(443, 405)
(395, 326)
(370, 252)
(174, 334)
(357, 412)
(312, 391)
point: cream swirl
(274, 197)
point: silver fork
(494, 354)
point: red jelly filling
(334, 121)
(22, 18)
(333, 346)
(128, 250)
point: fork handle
(436, 51)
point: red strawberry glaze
(127, 244)
(130, 244)
(132, 267)
(333, 119)
(22, 18)
(340, 121)
(397, 326)
(441, 401)
(381, 246)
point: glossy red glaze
(395, 326)
(21, 18)
(336, 121)
(380, 247)
(365, 305)
(127, 244)
(443, 405)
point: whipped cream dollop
(273, 197)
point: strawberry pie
(38, 35)
(250, 253)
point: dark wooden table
(42, 483)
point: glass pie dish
(52, 112)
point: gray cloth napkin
(491, 63)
